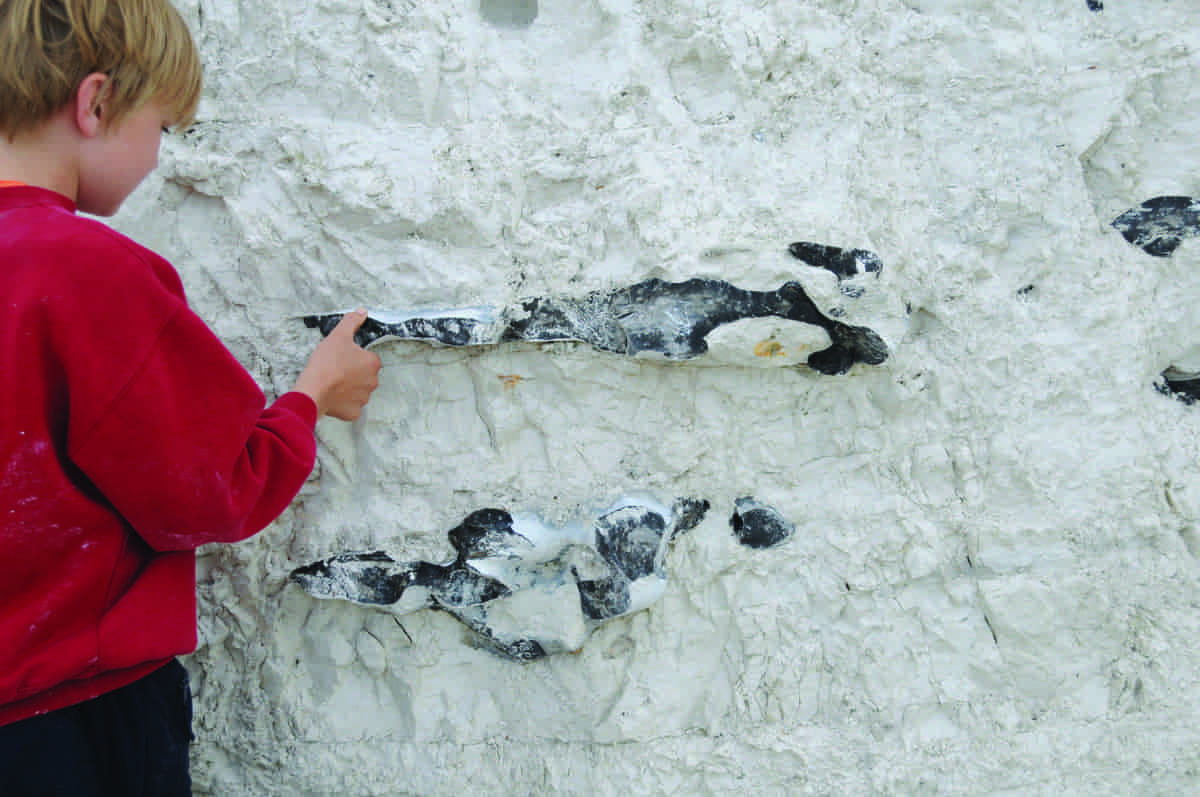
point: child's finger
(350, 323)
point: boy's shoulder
(42, 230)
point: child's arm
(187, 452)
(340, 376)
(161, 423)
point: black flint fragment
(842, 262)
(604, 598)
(486, 532)
(671, 319)
(757, 525)
(375, 579)
(1160, 224)
(1181, 385)
(629, 539)
(628, 546)
(448, 331)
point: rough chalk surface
(992, 586)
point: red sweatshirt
(129, 435)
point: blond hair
(47, 48)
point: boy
(129, 435)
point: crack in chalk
(1191, 540)
(405, 630)
(342, 471)
(507, 581)
(1170, 498)
(671, 319)
(481, 410)
(988, 621)
(538, 741)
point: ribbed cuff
(300, 403)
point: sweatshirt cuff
(301, 404)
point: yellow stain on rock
(769, 348)
(509, 381)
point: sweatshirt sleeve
(161, 418)
(188, 453)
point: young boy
(129, 435)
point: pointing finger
(350, 323)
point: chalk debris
(1160, 224)
(526, 590)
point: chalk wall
(992, 583)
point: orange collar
(10, 183)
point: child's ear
(90, 99)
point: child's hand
(340, 375)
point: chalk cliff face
(986, 579)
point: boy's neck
(44, 158)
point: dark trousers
(132, 742)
